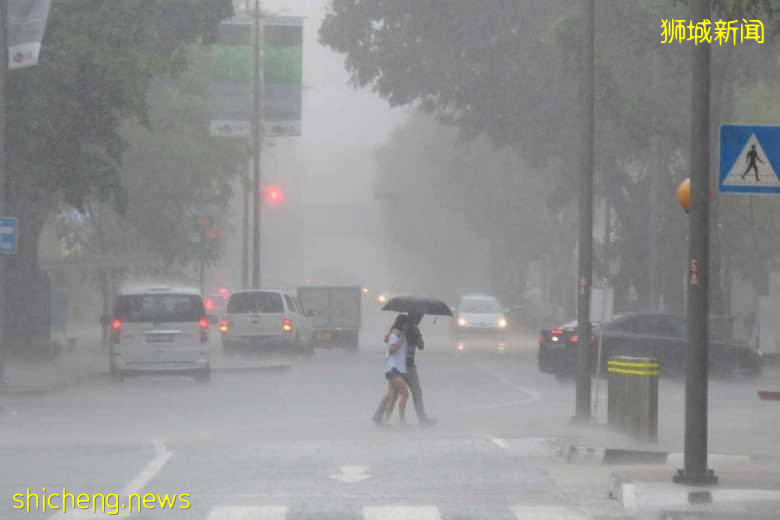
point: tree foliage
(64, 116)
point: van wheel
(203, 376)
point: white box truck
(335, 314)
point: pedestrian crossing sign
(749, 159)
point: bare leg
(403, 391)
(390, 399)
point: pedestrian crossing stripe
(749, 159)
(742, 172)
(248, 513)
(402, 512)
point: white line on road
(248, 513)
(401, 513)
(501, 443)
(547, 513)
(533, 395)
(161, 457)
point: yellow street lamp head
(684, 194)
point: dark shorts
(393, 373)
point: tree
(64, 117)
(510, 70)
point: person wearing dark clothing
(414, 341)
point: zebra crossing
(405, 512)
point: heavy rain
(390, 260)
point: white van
(160, 330)
(260, 320)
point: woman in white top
(395, 367)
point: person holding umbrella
(415, 309)
(395, 370)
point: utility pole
(245, 227)
(695, 470)
(3, 179)
(584, 357)
(257, 143)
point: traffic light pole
(695, 470)
(257, 138)
(584, 357)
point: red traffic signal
(273, 195)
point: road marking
(533, 395)
(352, 474)
(501, 443)
(401, 513)
(547, 513)
(248, 513)
(162, 456)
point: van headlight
(462, 322)
(502, 323)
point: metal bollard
(632, 396)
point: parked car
(649, 334)
(262, 320)
(160, 330)
(335, 314)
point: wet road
(296, 442)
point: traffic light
(273, 195)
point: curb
(631, 457)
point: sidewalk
(82, 361)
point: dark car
(651, 334)
(557, 348)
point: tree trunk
(28, 311)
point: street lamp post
(585, 248)
(257, 139)
(695, 470)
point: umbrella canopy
(432, 306)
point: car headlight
(502, 323)
(462, 322)
(382, 298)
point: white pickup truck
(261, 320)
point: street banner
(26, 27)
(232, 71)
(231, 87)
(283, 75)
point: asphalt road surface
(296, 442)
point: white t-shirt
(396, 359)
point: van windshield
(255, 303)
(159, 308)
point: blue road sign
(749, 159)
(8, 235)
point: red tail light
(209, 304)
(116, 329)
(204, 330)
(287, 326)
(224, 326)
(574, 339)
(556, 332)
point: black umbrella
(430, 306)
